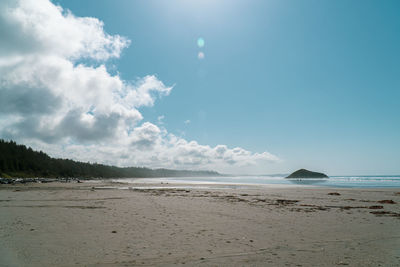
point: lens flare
(200, 42)
(200, 55)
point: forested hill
(21, 161)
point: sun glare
(200, 55)
(200, 42)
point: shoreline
(195, 182)
(67, 224)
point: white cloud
(146, 136)
(38, 26)
(53, 101)
(49, 95)
(148, 145)
(186, 122)
(160, 119)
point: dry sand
(61, 224)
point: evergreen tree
(20, 161)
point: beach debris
(387, 201)
(14, 181)
(334, 194)
(286, 201)
(113, 231)
(348, 207)
(376, 207)
(311, 207)
(385, 213)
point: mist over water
(332, 181)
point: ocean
(354, 181)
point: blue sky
(316, 83)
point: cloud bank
(56, 94)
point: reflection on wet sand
(307, 181)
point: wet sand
(72, 224)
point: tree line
(21, 161)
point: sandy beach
(80, 224)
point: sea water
(358, 181)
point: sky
(255, 87)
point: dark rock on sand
(303, 173)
